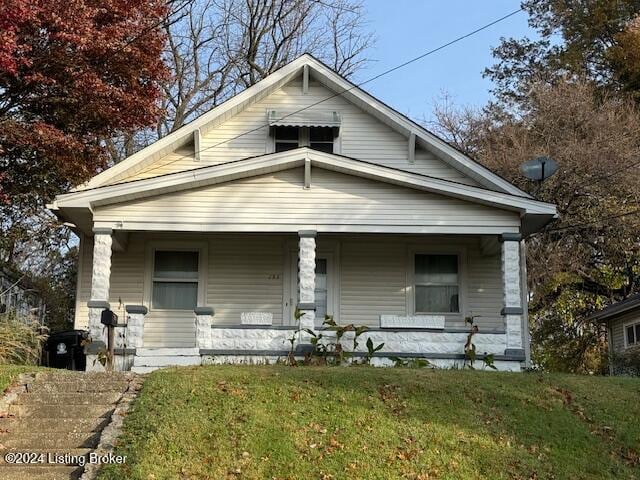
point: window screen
(436, 284)
(321, 138)
(287, 138)
(175, 280)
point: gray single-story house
(623, 327)
(301, 197)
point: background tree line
(140, 73)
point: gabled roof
(88, 199)
(628, 304)
(333, 81)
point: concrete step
(68, 376)
(38, 472)
(18, 425)
(50, 456)
(167, 361)
(77, 387)
(59, 440)
(43, 398)
(166, 352)
(60, 411)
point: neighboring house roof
(532, 211)
(629, 304)
(335, 82)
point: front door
(324, 292)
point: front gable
(227, 134)
(361, 136)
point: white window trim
(181, 245)
(303, 140)
(461, 252)
(624, 333)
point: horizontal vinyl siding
(374, 273)
(333, 199)
(617, 329)
(362, 136)
(126, 282)
(484, 287)
(373, 276)
(245, 275)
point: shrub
(21, 340)
(627, 362)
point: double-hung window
(436, 284)
(175, 280)
(632, 334)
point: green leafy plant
(371, 349)
(470, 353)
(329, 349)
(291, 358)
(399, 362)
(469, 346)
(489, 361)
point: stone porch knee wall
(411, 341)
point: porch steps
(149, 359)
(58, 413)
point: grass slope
(359, 422)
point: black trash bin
(65, 350)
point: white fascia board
(432, 184)
(185, 133)
(188, 179)
(285, 160)
(218, 227)
(406, 126)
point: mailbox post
(109, 319)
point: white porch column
(100, 277)
(512, 311)
(135, 325)
(307, 278)
(204, 318)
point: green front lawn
(359, 422)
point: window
(318, 138)
(436, 284)
(286, 138)
(321, 138)
(175, 280)
(632, 334)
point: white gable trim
(335, 82)
(269, 163)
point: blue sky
(407, 28)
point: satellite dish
(539, 168)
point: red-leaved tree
(72, 73)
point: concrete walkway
(56, 422)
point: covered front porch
(185, 298)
